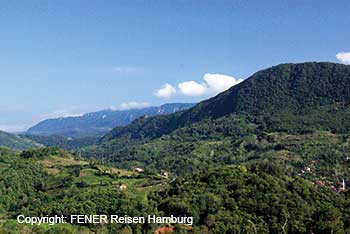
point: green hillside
(257, 198)
(296, 115)
(287, 96)
(50, 181)
(67, 143)
(270, 155)
(232, 140)
(16, 142)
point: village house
(123, 187)
(139, 170)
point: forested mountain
(296, 115)
(290, 96)
(98, 123)
(16, 142)
(270, 155)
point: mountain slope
(16, 142)
(296, 115)
(285, 92)
(282, 88)
(98, 123)
(66, 143)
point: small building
(165, 173)
(139, 170)
(123, 187)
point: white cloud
(133, 105)
(219, 83)
(214, 83)
(59, 114)
(192, 88)
(166, 91)
(343, 57)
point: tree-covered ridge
(285, 91)
(302, 101)
(282, 88)
(13, 141)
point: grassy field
(66, 181)
(99, 175)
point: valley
(269, 155)
(174, 117)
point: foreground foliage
(258, 198)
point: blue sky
(60, 58)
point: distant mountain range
(13, 141)
(100, 122)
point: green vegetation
(287, 125)
(50, 181)
(255, 199)
(249, 122)
(235, 140)
(13, 141)
(67, 143)
(285, 97)
(270, 155)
